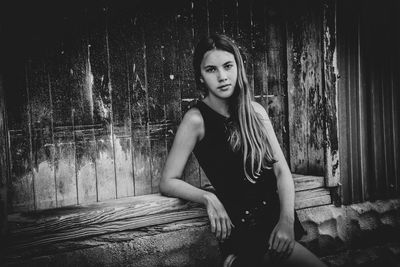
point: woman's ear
(201, 80)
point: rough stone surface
(365, 234)
(331, 229)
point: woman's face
(219, 73)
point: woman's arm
(282, 237)
(190, 131)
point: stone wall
(360, 225)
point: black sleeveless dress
(253, 208)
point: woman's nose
(222, 76)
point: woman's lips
(225, 86)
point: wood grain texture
(156, 90)
(115, 80)
(306, 108)
(90, 220)
(119, 29)
(98, 70)
(28, 230)
(312, 198)
(244, 37)
(215, 10)
(331, 136)
(21, 186)
(277, 95)
(63, 131)
(4, 160)
(42, 134)
(139, 107)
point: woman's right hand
(221, 224)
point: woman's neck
(219, 105)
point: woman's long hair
(249, 135)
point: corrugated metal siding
(368, 53)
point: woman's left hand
(281, 241)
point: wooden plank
(100, 91)
(215, 16)
(307, 182)
(21, 183)
(42, 134)
(312, 198)
(331, 148)
(199, 20)
(244, 37)
(230, 18)
(37, 229)
(80, 82)
(170, 67)
(85, 169)
(119, 31)
(64, 162)
(139, 106)
(155, 23)
(58, 65)
(276, 70)
(306, 108)
(64, 154)
(4, 160)
(141, 162)
(258, 50)
(21, 187)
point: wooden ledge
(34, 229)
(40, 228)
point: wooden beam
(49, 226)
(331, 146)
(307, 182)
(312, 198)
(35, 229)
(3, 161)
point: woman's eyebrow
(228, 62)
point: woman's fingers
(224, 229)
(290, 248)
(221, 224)
(283, 247)
(218, 228)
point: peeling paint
(89, 81)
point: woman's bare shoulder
(193, 121)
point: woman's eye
(210, 69)
(229, 66)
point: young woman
(252, 212)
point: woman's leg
(300, 257)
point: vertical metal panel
(368, 128)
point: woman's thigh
(300, 257)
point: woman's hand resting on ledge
(221, 224)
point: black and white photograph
(200, 133)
